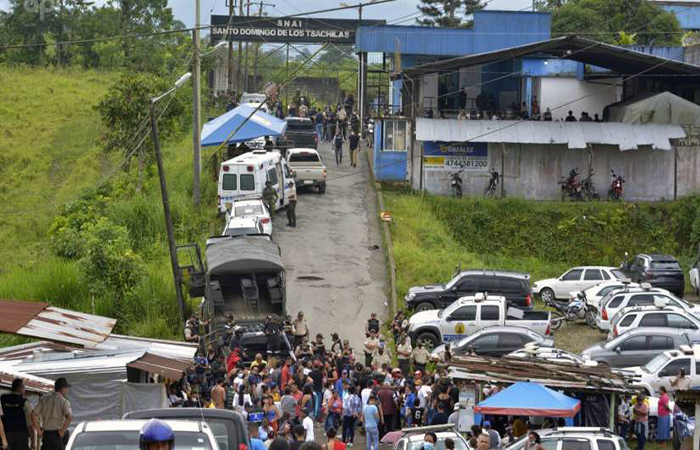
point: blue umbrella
(260, 124)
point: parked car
(595, 294)
(254, 99)
(124, 434)
(494, 341)
(575, 279)
(470, 314)
(652, 316)
(308, 168)
(243, 226)
(300, 133)
(578, 438)
(254, 208)
(229, 427)
(514, 286)
(643, 296)
(661, 370)
(662, 271)
(414, 437)
(551, 354)
(638, 346)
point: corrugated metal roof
(170, 349)
(55, 324)
(165, 367)
(26, 350)
(92, 364)
(32, 383)
(492, 30)
(576, 135)
(588, 51)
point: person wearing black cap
(16, 416)
(52, 416)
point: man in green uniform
(270, 198)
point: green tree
(603, 20)
(448, 13)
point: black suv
(661, 271)
(300, 133)
(515, 287)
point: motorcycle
(571, 187)
(576, 309)
(456, 184)
(615, 192)
(587, 188)
(493, 182)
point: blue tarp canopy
(260, 124)
(529, 399)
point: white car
(253, 208)
(243, 226)
(551, 354)
(661, 370)
(595, 294)
(254, 100)
(652, 316)
(611, 305)
(124, 434)
(575, 279)
(579, 438)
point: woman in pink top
(664, 422)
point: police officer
(292, 206)
(156, 435)
(274, 339)
(270, 198)
(55, 415)
(16, 416)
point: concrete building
(532, 154)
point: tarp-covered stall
(663, 108)
(529, 399)
(217, 131)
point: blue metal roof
(493, 30)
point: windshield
(129, 440)
(241, 231)
(665, 265)
(249, 210)
(617, 273)
(253, 98)
(655, 364)
(439, 445)
(304, 157)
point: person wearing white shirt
(308, 425)
(424, 395)
(366, 392)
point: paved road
(335, 274)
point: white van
(244, 177)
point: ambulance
(244, 177)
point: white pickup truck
(470, 314)
(308, 168)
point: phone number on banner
(456, 163)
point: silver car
(579, 438)
(638, 346)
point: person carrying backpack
(338, 146)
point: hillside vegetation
(74, 230)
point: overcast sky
(184, 9)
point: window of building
(395, 137)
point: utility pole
(361, 80)
(245, 68)
(196, 111)
(231, 6)
(240, 54)
(257, 49)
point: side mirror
(293, 173)
(618, 349)
(449, 318)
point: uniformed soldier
(270, 198)
(16, 417)
(273, 331)
(52, 416)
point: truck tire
(322, 188)
(428, 339)
(425, 306)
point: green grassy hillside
(71, 220)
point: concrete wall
(532, 171)
(555, 91)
